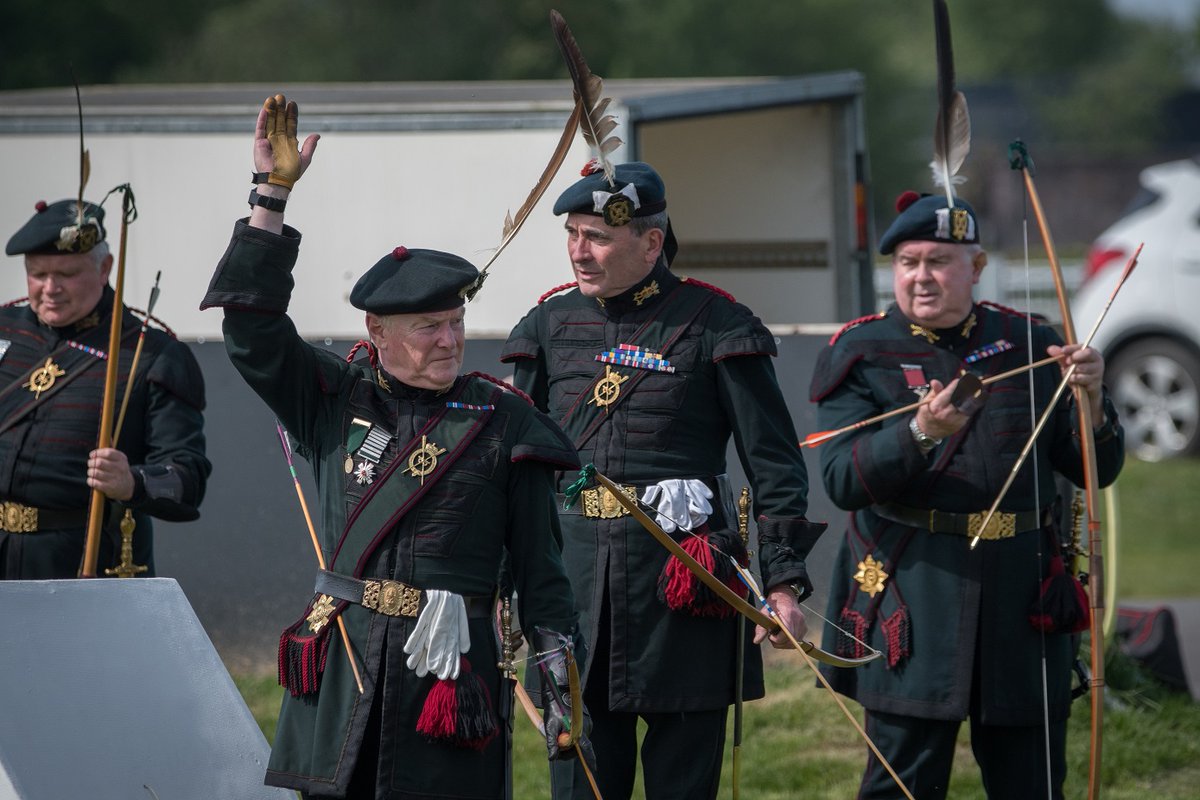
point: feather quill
(512, 224)
(85, 159)
(595, 123)
(952, 127)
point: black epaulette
(854, 323)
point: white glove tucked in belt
(681, 503)
(440, 636)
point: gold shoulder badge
(646, 292)
(43, 377)
(870, 576)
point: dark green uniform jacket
(497, 495)
(666, 425)
(947, 613)
(44, 442)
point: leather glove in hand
(440, 636)
(551, 649)
(287, 165)
(681, 503)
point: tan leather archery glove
(281, 133)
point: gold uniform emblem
(645, 293)
(424, 459)
(318, 618)
(959, 223)
(618, 210)
(870, 576)
(968, 326)
(917, 330)
(609, 388)
(43, 377)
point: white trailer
(766, 177)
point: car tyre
(1155, 385)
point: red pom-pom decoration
(905, 200)
(40, 206)
(590, 168)
(400, 253)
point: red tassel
(302, 659)
(459, 712)
(682, 591)
(897, 636)
(851, 634)
(1062, 606)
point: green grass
(1157, 551)
(797, 743)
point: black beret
(927, 218)
(649, 195)
(414, 282)
(57, 228)
(637, 191)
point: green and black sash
(396, 492)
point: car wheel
(1155, 385)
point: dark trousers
(1012, 760)
(681, 751)
(681, 757)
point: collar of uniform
(647, 292)
(943, 337)
(413, 394)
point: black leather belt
(1004, 524)
(393, 598)
(20, 518)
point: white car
(1151, 336)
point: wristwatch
(923, 439)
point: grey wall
(247, 565)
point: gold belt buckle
(18, 518)
(599, 503)
(1002, 526)
(393, 598)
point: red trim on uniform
(556, 290)
(711, 288)
(1007, 310)
(502, 385)
(854, 323)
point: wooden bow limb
(718, 586)
(748, 579)
(91, 547)
(137, 357)
(312, 533)
(1049, 410)
(1020, 160)
(531, 711)
(820, 437)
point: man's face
(933, 281)
(63, 289)
(608, 260)
(422, 350)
